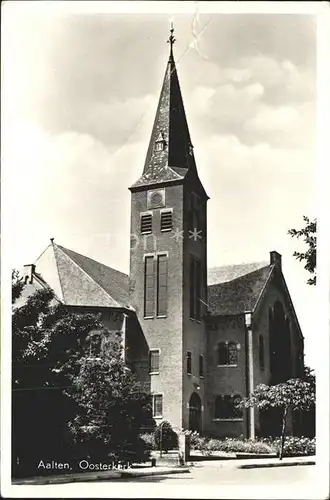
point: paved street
(214, 475)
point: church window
(201, 365)
(166, 220)
(225, 407)
(195, 213)
(95, 344)
(261, 353)
(189, 367)
(195, 275)
(146, 223)
(157, 405)
(161, 285)
(149, 286)
(154, 360)
(227, 354)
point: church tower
(168, 263)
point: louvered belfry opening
(166, 221)
(146, 223)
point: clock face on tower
(156, 199)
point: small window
(261, 353)
(166, 221)
(189, 363)
(225, 407)
(154, 361)
(160, 145)
(201, 365)
(157, 405)
(227, 354)
(146, 223)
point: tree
(47, 342)
(308, 233)
(111, 407)
(59, 385)
(294, 395)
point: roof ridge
(87, 274)
(90, 258)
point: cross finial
(171, 39)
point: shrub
(196, 442)
(295, 446)
(165, 435)
(149, 440)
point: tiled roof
(80, 281)
(227, 273)
(238, 295)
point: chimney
(29, 270)
(276, 259)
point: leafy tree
(165, 437)
(47, 342)
(53, 355)
(295, 395)
(111, 407)
(308, 233)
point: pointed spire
(170, 153)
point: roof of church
(227, 273)
(175, 155)
(78, 280)
(238, 295)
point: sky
(80, 95)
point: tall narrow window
(198, 290)
(166, 220)
(146, 223)
(157, 405)
(161, 285)
(261, 353)
(192, 288)
(154, 361)
(195, 215)
(149, 287)
(227, 354)
(195, 273)
(189, 362)
(201, 365)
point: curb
(277, 464)
(113, 475)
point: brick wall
(225, 379)
(161, 333)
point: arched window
(227, 353)
(261, 353)
(225, 407)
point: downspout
(123, 338)
(250, 377)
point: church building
(198, 339)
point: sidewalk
(253, 463)
(101, 476)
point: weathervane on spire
(171, 39)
